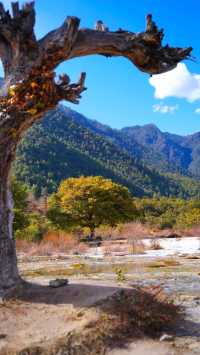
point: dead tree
(30, 88)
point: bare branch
(143, 49)
(18, 44)
(2, 10)
(59, 41)
(71, 92)
(15, 9)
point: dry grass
(162, 233)
(155, 245)
(53, 242)
(192, 232)
(172, 262)
(163, 263)
(111, 248)
(113, 322)
(132, 230)
(142, 311)
(136, 247)
(156, 264)
(24, 246)
(123, 247)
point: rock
(173, 235)
(58, 283)
(80, 314)
(183, 255)
(193, 257)
(166, 337)
(197, 299)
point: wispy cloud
(197, 111)
(162, 108)
(180, 83)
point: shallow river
(169, 246)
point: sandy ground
(145, 347)
(41, 314)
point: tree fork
(30, 87)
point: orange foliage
(53, 242)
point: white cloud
(197, 111)
(164, 108)
(179, 82)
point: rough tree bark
(30, 88)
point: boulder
(58, 283)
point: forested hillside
(180, 153)
(66, 144)
(162, 151)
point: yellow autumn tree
(90, 202)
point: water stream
(168, 246)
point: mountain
(180, 153)
(158, 150)
(66, 144)
(140, 152)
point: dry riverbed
(43, 320)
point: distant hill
(66, 144)
(180, 153)
(162, 151)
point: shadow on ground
(148, 305)
(104, 317)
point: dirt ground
(145, 347)
(42, 314)
(40, 317)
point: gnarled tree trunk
(9, 276)
(30, 88)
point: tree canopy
(90, 202)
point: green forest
(91, 202)
(65, 144)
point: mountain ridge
(163, 151)
(66, 144)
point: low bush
(155, 245)
(143, 311)
(52, 243)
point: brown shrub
(136, 247)
(142, 311)
(110, 247)
(24, 246)
(52, 242)
(192, 232)
(155, 245)
(130, 230)
(61, 241)
(164, 263)
(81, 248)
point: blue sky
(118, 94)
